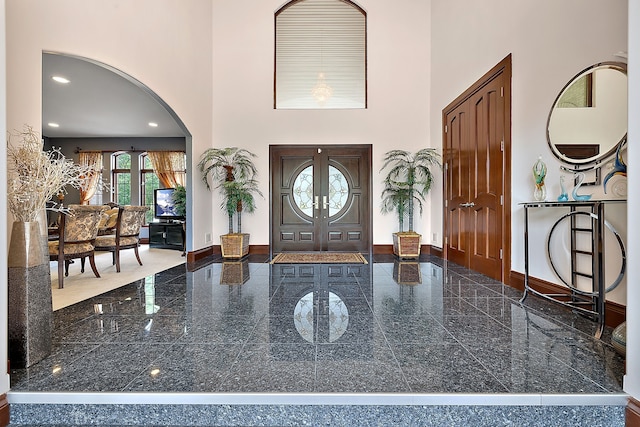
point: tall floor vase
(30, 307)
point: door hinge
(502, 145)
(501, 253)
(501, 199)
(446, 128)
(446, 203)
(501, 91)
(446, 167)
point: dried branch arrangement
(35, 176)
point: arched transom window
(320, 56)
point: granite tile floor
(383, 327)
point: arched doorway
(101, 101)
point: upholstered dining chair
(77, 231)
(127, 236)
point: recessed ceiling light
(53, 125)
(60, 79)
(153, 124)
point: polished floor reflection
(384, 327)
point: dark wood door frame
(504, 67)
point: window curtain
(169, 166)
(93, 160)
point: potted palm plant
(180, 200)
(234, 171)
(406, 184)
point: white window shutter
(320, 55)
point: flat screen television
(164, 207)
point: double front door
(320, 198)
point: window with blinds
(320, 55)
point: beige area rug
(319, 258)
(81, 286)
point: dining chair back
(77, 231)
(127, 235)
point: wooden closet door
(476, 219)
(486, 180)
(456, 159)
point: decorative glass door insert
(306, 200)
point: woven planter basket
(406, 244)
(234, 245)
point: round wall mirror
(588, 119)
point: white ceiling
(99, 102)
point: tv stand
(168, 221)
(166, 235)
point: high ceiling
(99, 102)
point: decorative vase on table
(563, 197)
(619, 174)
(539, 173)
(579, 197)
(34, 177)
(29, 292)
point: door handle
(325, 202)
(316, 203)
(467, 205)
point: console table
(591, 303)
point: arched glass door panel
(338, 191)
(335, 201)
(303, 191)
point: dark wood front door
(476, 141)
(320, 198)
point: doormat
(319, 258)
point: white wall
(398, 88)
(166, 44)
(4, 340)
(632, 379)
(550, 41)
